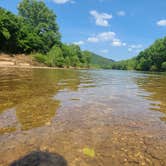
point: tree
(55, 57)
(67, 62)
(9, 29)
(75, 61)
(40, 30)
(152, 58)
(164, 66)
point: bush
(163, 66)
(153, 68)
(40, 57)
(55, 57)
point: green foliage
(67, 62)
(74, 56)
(39, 29)
(64, 56)
(151, 59)
(55, 57)
(153, 68)
(9, 29)
(163, 66)
(34, 29)
(98, 61)
(40, 58)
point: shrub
(40, 57)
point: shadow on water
(155, 85)
(39, 158)
(29, 93)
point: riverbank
(18, 60)
(24, 61)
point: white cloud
(93, 39)
(102, 37)
(124, 44)
(121, 13)
(79, 43)
(101, 18)
(62, 1)
(117, 43)
(161, 22)
(135, 48)
(105, 51)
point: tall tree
(40, 30)
(9, 29)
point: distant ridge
(98, 61)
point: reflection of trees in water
(31, 92)
(156, 86)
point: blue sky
(115, 29)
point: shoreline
(43, 67)
(26, 61)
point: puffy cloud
(61, 1)
(102, 37)
(121, 13)
(93, 39)
(161, 22)
(79, 43)
(101, 18)
(135, 48)
(117, 43)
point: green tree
(67, 61)
(164, 66)
(40, 31)
(55, 57)
(75, 61)
(9, 29)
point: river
(90, 117)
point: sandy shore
(20, 60)
(25, 61)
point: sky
(116, 29)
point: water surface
(119, 116)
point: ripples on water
(113, 113)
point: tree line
(35, 31)
(151, 59)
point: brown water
(91, 118)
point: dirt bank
(19, 60)
(25, 61)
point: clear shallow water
(119, 115)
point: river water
(90, 117)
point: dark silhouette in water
(39, 158)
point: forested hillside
(100, 62)
(34, 31)
(151, 59)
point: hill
(98, 61)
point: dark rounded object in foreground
(39, 158)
